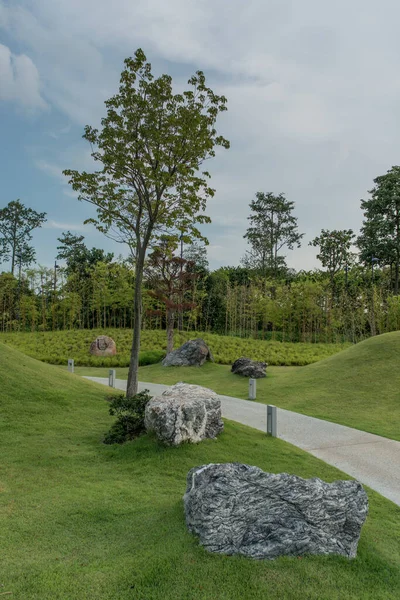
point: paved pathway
(372, 459)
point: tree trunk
(170, 330)
(132, 386)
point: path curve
(372, 459)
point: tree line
(150, 192)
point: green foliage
(380, 232)
(130, 417)
(273, 227)
(16, 224)
(57, 347)
(334, 249)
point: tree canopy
(151, 147)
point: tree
(77, 255)
(169, 277)
(151, 147)
(273, 227)
(334, 250)
(380, 233)
(16, 224)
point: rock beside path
(249, 368)
(239, 509)
(103, 346)
(193, 353)
(184, 413)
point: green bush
(57, 347)
(130, 417)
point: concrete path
(372, 459)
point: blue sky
(313, 102)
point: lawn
(83, 521)
(57, 347)
(359, 387)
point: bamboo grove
(230, 301)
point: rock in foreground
(103, 346)
(239, 509)
(249, 368)
(184, 413)
(193, 353)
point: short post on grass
(272, 425)
(252, 389)
(111, 378)
(71, 365)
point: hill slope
(359, 387)
(80, 520)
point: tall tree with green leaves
(334, 250)
(273, 227)
(79, 258)
(151, 147)
(380, 232)
(16, 225)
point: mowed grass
(360, 387)
(57, 347)
(80, 520)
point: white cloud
(19, 80)
(51, 224)
(312, 92)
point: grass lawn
(359, 387)
(80, 520)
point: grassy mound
(359, 387)
(58, 346)
(83, 521)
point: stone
(103, 346)
(184, 413)
(193, 353)
(249, 368)
(240, 509)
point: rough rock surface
(184, 413)
(249, 368)
(239, 509)
(103, 346)
(193, 353)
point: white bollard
(111, 378)
(252, 389)
(71, 365)
(272, 425)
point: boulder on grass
(239, 509)
(103, 346)
(193, 353)
(249, 368)
(184, 413)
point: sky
(313, 94)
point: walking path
(372, 459)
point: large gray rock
(193, 353)
(184, 413)
(249, 368)
(239, 509)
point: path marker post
(272, 425)
(111, 378)
(71, 365)
(252, 389)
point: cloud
(56, 172)
(19, 80)
(64, 226)
(312, 98)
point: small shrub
(130, 417)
